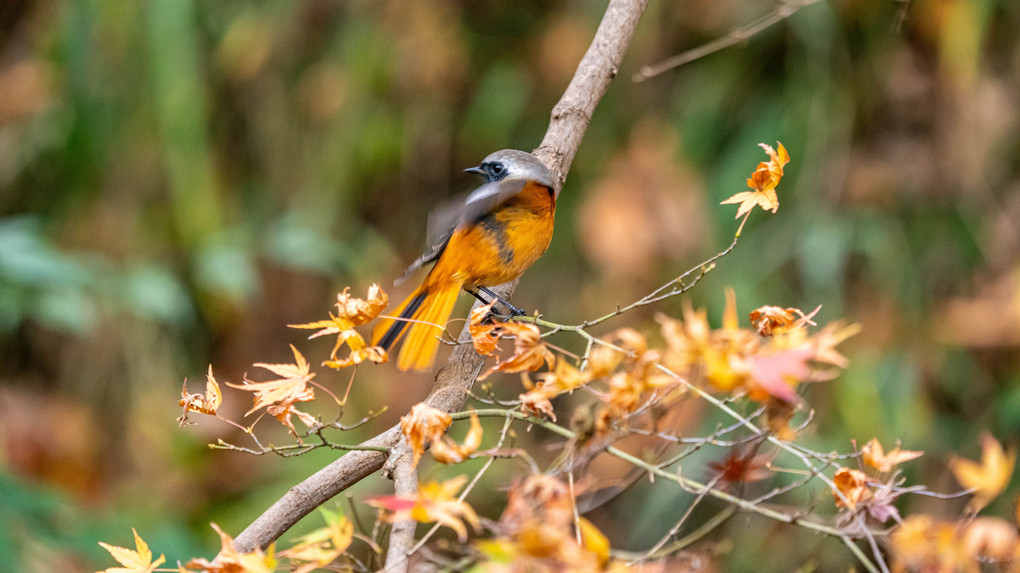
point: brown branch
(570, 118)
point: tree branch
(570, 118)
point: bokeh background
(179, 180)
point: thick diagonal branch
(570, 118)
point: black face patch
(495, 171)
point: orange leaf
(291, 387)
(876, 457)
(530, 353)
(763, 181)
(853, 484)
(208, 403)
(446, 451)
(423, 424)
(990, 477)
(484, 335)
(351, 312)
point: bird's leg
(513, 310)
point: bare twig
(785, 10)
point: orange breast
(502, 244)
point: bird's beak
(475, 170)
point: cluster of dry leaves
(315, 550)
(539, 530)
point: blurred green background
(179, 180)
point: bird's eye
(497, 169)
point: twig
(784, 11)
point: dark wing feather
(462, 210)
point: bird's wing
(462, 210)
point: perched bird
(485, 238)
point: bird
(484, 238)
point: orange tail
(429, 311)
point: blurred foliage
(179, 180)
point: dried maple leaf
(530, 353)
(351, 312)
(229, 560)
(137, 560)
(291, 387)
(875, 456)
(283, 412)
(435, 502)
(769, 320)
(322, 546)
(763, 182)
(446, 451)
(423, 424)
(207, 403)
(562, 379)
(484, 335)
(854, 487)
(990, 477)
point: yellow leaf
(138, 560)
(990, 477)
(594, 540)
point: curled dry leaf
(446, 451)
(990, 477)
(854, 486)
(484, 335)
(768, 320)
(875, 456)
(207, 403)
(530, 353)
(351, 312)
(763, 183)
(421, 425)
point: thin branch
(784, 11)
